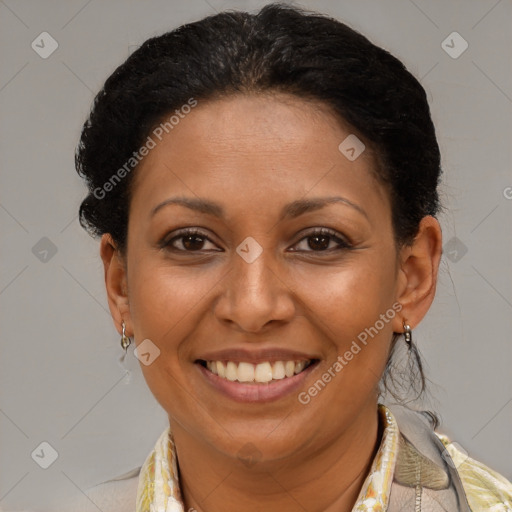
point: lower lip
(257, 392)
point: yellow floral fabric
(486, 490)
(374, 494)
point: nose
(255, 294)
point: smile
(261, 373)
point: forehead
(261, 148)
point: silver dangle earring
(407, 334)
(125, 340)
(125, 343)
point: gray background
(61, 379)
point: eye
(191, 240)
(320, 240)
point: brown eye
(191, 240)
(319, 242)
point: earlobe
(418, 273)
(115, 283)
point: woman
(265, 189)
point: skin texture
(253, 154)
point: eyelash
(343, 244)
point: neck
(323, 478)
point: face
(273, 315)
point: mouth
(260, 382)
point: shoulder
(115, 495)
(486, 490)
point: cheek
(352, 296)
(161, 306)
(352, 306)
(164, 298)
(167, 304)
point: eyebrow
(291, 210)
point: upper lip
(256, 356)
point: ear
(417, 279)
(116, 284)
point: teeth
(289, 368)
(231, 371)
(221, 370)
(278, 370)
(262, 372)
(246, 372)
(299, 367)
(212, 366)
